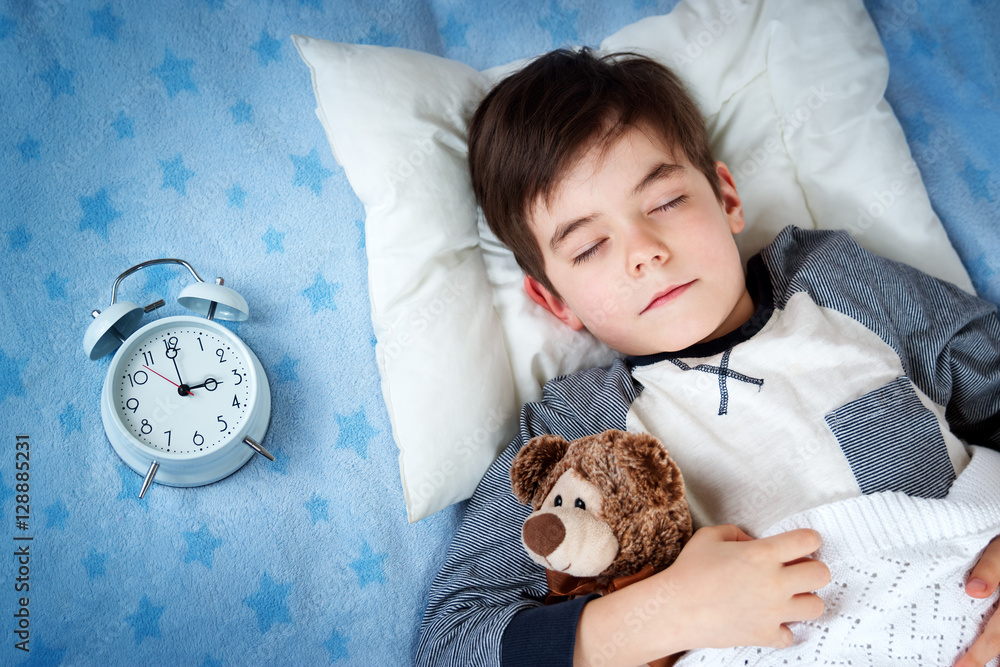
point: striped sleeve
(487, 579)
(947, 340)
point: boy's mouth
(667, 295)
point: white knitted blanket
(898, 567)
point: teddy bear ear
(654, 472)
(532, 465)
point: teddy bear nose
(543, 533)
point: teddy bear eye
(558, 501)
(579, 503)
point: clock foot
(154, 466)
(254, 445)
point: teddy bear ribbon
(564, 586)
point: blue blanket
(132, 131)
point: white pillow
(793, 94)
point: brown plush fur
(643, 499)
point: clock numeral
(198, 439)
(147, 358)
(236, 403)
(172, 348)
(239, 377)
(224, 424)
(168, 439)
(200, 346)
(146, 427)
(139, 377)
(132, 404)
(221, 354)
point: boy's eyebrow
(660, 171)
(565, 229)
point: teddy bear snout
(543, 533)
(570, 540)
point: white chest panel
(772, 453)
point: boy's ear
(730, 198)
(550, 302)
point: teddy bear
(609, 509)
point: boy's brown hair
(532, 125)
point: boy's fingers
(985, 575)
(985, 648)
(785, 637)
(807, 575)
(806, 607)
(794, 544)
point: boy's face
(640, 249)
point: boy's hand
(982, 583)
(744, 592)
(725, 589)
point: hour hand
(210, 384)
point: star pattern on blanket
(175, 73)
(355, 433)
(977, 180)
(124, 126)
(922, 44)
(242, 112)
(71, 419)
(270, 603)
(55, 286)
(309, 171)
(43, 654)
(284, 370)
(453, 33)
(56, 515)
(175, 174)
(369, 566)
(236, 196)
(30, 149)
(274, 240)
(145, 621)
(268, 49)
(94, 564)
(18, 238)
(378, 37)
(336, 646)
(59, 79)
(10, 375)
(984, 266)
(320, 294)
(98, 213)
(561, 24)
(7, 26)
(318, 509)
(201, 546)
(105, 24)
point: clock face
(183, 388)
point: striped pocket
(893, 442)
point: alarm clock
(185, 402)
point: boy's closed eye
(592, 250)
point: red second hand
(165, 378)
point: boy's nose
(645, 249)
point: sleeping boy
(817, 374)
